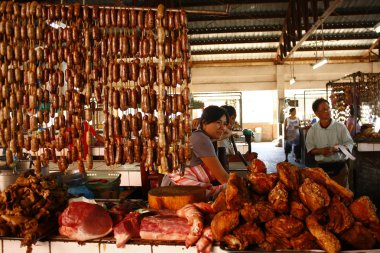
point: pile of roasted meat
(29, 207)
(293, 209)
(299, 209)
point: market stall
(361, 92)
(62, 63)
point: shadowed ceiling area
(275, 31)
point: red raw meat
(165, 225)
(128, 228)
(83, 221)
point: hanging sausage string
(131, 62)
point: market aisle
(269, 154)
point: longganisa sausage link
(180, 104)
(144, 75)
(134, 44)
(137, 149)
(145, 128)
(145, 101)
(125, 129)
(132, 18)
(123, 67)
(152, 74)
(123, 99)
(174, 103)
(119, 152)
(128, 151)
(117, 126)
(115, 98)
(125, 17)
(124, 46)
(150, 20)
(141, 19)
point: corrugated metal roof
(347, 32)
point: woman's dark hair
(317, 102)
(352, 110)
(292, 110)
(212, 113)
(230, 110)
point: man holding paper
(326, 139)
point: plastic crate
(104, 185)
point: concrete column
(280, 84)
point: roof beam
(367, 54)
(310, 60)
(314, 27)
(275, 38)
(282, 13)
(271, 50)
(271, 28)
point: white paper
(346, 152)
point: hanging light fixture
(292, 80)
(324, 60)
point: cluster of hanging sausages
(132, 63)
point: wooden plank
(314, 27)
(314, 10)
(299, 6)
(305, 14)
(367, 54)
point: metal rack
(362, 90)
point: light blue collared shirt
(335, 133)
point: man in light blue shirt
(322, 140)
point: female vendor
(204, 169)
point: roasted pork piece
(298, 210)
(284, 226)
(259, 212)
(262, 183)
(325, 238)
(364, 210)
(305, 241)
(256, 165)
(278, 198)
(321, 177)
(236, 192)
(340, 218)
(289, 175)
(223, 223)
(359, 237)
(313, 195)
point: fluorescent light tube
(322, 62)
(377, 27)
(292, 81)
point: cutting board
(175, 197)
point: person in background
(352, 124)
(322, 140)
(224, 144)
(314, 120)
(204, 169)
(292, 135)
(86, 127)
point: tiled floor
(269, 154)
